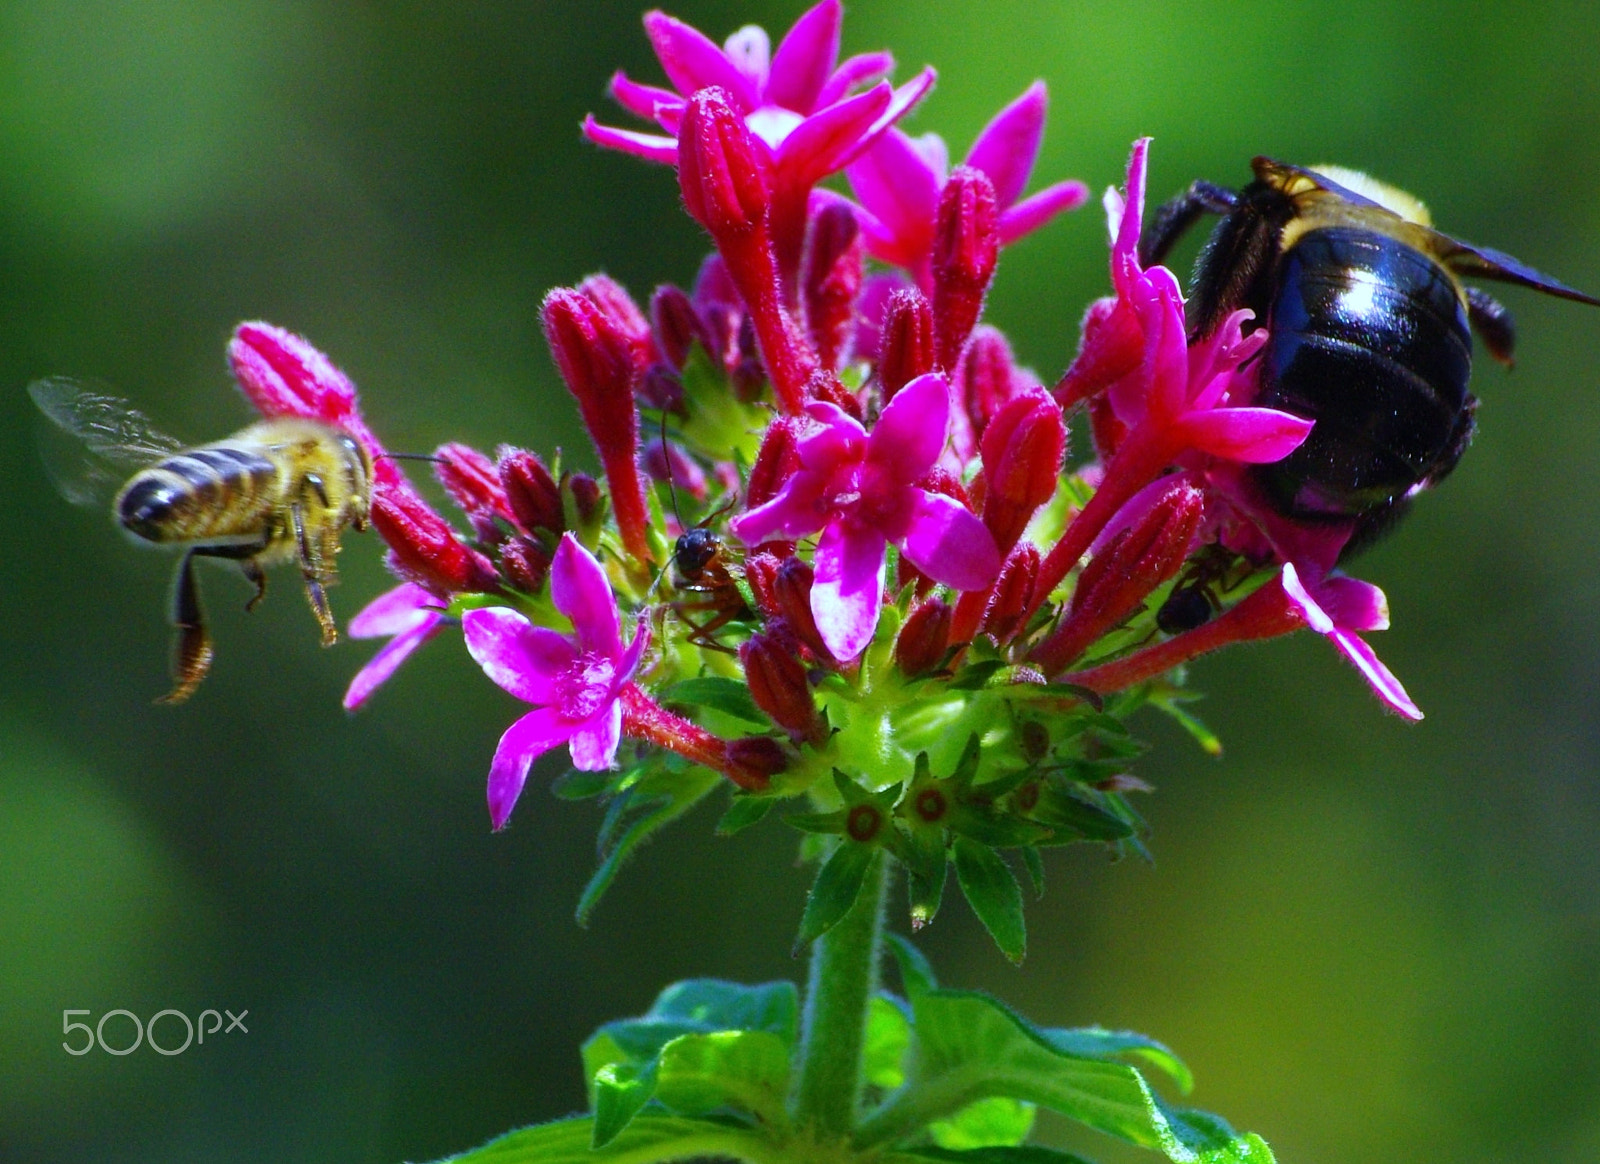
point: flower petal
(382, 665)
(394, 612)
(593, 744)
(823, 142)
(912, 429)
(949, 543)
(1008, 146)
(523, 742)
(641, 100)
(1125, 250)
(795, 511)
(900, 187)
(857, 70)
(905, 99)
(692, 61)
(837, 438)
(750, 51)
(847, 593)
(1379, 678)
(1256, 436)
(1038, 209)
(805, 57)
(581, 591)
(1353, 604)
(521, 658)
(652, 147)
(1300, 597)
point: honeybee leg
(255, 575)
(1178, 214)
(192, 652)
(313, 571)
(1493, 324)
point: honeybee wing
(112, 439)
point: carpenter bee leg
(311, 570)
(1178, 214)
(1493, 324)
(192, 651)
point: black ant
(701, 566)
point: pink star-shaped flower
(574, 682)
(407, 616)
(897, 183)
(860, 490)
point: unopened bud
(965, 247)
(533, 495)
(1008, 599)
(618, 306)
(905, 346)
(1121, 576)
(988, 377)
(752, 761)
(776, 461)
(588, 504)
(677, 325)
(1023, 447)
(924, 639)
(425, 548)
(473, 484)
(761, 575)
(831, 280)
(666, 461)
(525, 563)
(777, 683)
(791, 593)
(725, 173)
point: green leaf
(822, 823)
(928, 868)
(888, 1038)
(693, 786)
(1021, 1154)
(916, 972)
(1071, 813)
(835, 889)
(967, 1046)
(719, 1005)
(728, 696)
(996, 1122)
(650, 1137)
(1099, 1043)
(1034, 864)
(743, 812)
(747, 1071)
(575, 785)
(620, 1093)
(1172, 702)
(995, 896)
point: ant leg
(311, 569)
(1493, 324)
(1178, 214)
(192, 650)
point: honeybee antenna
(409, 457)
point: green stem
(843, 979)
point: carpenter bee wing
(112, 439)
(1295, 180)
(1483, 263)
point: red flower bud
(965, 247)
(425, 549)
(791, 593)
(761, 575)
(776, 461)
(1023, 449)
(525, 563)
(778, 685)
(619, 308)
(473, 484)
(1111, 346)
(906, 347)
(988, 377)
(666, 461)
(1008, 598)
(587, 499)
(660, 390)
(752, 761)
(531, 492)
(596, 361)
(677, 326)
(924, 639)
(831, 280)
(1121, 576)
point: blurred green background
(1373, 942)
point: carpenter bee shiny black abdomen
(1369, 330)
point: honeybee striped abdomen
(222, 490)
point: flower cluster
(836, 549)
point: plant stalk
(843, 979)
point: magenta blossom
(799, 102)
(575, 683)
(860, 490)
(407, 616)
(1336, 607)
(897, 183)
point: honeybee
(277, 491)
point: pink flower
(407, 616)
(860, 490)
(575, 683)
(1336, 607)
(798, 101)
(898, 182)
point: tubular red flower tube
(474, 484)
(618, 306)
(531, 492)
(1007, 600)
(1122, 574)
(924, 638)
(725, 174)
(966, 245)
(645, 719)
(830, 280)
(596, 362)
(426, 549)
(906, 347)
